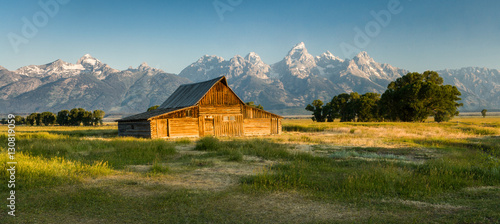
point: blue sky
(424, 35)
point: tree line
(411, 98)
(73, 117)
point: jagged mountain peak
(143, 66)
(363, 58)
(299, 54)
(209, 58)
(298, 61)
(329, 56)
(88, 61)
(2, 68)
(300, 45)
(57, 62)
(253, 58)
(299, 51)
(362, 54)
(237, 60)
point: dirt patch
(290, 208)
(139, 168)
(420, 204)
(216, 178)
(482, 188)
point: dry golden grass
(390, 135)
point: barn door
(209, 127)
(162, 128)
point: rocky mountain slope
(293, 82)
(296, 80)
(89, 84)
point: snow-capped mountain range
(295, 81)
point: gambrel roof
(186, 95)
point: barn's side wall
(134, 128)
(182, 123)
(260, 122)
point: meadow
(376, 172)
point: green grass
(35, 171)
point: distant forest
(73, 117)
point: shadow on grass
(87, 133)
(489, 145)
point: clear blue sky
(170, 35)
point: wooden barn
(207, 108)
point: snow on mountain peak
(87, 59)
(363, 58)
(144, 64)
(209, 58)
(299, 61)
(362, 54)
(299, 53)
(300, 45)
(329, 56)
(253, 58)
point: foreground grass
(335, 172)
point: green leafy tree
(38, 119)
(19, 119)
(31, 119)
(97, 116)
(4, 121)
(77, 116)
(252, 104)
(446, 106)
(317, 109)
(327, 112)
(338, 106)
(368, 107)
(352, 107)
(63, 117)
(48, 118)
(74, 118)
(87, 118)
(483, 112)
(415, 97)
(345, 106)
(153, 107)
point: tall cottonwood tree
(317, 109)
(415, 97)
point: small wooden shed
(209, 108)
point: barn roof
(186, 95)
(190, 94)
(147, 115)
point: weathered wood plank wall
(257, 126)
(183, 127)
(219, 95)
(139, 129)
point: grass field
(312, 173)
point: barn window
(225, 118)
(189, 113)
(232, 118)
